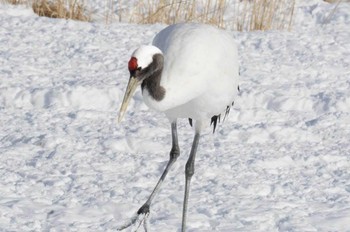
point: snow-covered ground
(280, 161)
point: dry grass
(173, 11)
(248, 14)
(67, 9)
(109, 16)
(242, 15)
(264, 15)
(13, 2)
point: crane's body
(190, 71)
(193, 86)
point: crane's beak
(130, 90)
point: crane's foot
(140, 218)
(144, 209)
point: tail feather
(215, 119)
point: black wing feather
(190, 122)
(216, 118)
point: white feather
(200, 74)
(144, 55)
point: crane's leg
(174, 154)
(145, 208)
(189, 171)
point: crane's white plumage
(190, 71)
(144, 55)
(200, 74)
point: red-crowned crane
(190, 71)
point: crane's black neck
(153, 75)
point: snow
(279, 162)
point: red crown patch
(132, 64)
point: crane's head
(142, 65)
